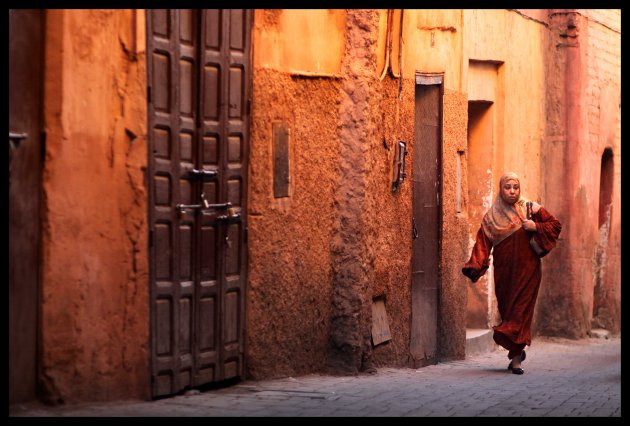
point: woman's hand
(529, 225)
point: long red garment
(517, 276)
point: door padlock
(206, 204)
(228, 242)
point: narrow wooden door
(26, 64)
(199, 88)
(427, 165)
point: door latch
(204, 205)
(232, 216)
(399, 166)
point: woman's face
(511, 191)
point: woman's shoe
(523, 356)
(517, 370)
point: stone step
(479, 341)
(599, 333)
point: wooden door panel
(198, 98)
(26, 65)
(169, 189)
(236, 259)
(426, 192)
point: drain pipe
(400, 48)
(388, 44)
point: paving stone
(563, 378)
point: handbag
(540, 252)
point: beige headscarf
(503, 219)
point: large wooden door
(427, 168)
(199, 88)
(26, 48)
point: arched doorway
(601, 316)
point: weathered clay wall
(519, 108)
(391, 217)
(552, 309)
(290, 276)
(370, 240)
(288, 305)
(584, 74)
(433, 44)
(603, 93)
(94, 275)
(454, 230)
(520, 91)
(484, 113)
(352, 251)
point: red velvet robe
(517, 276)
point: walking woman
(518, 239)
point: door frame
(430, 79)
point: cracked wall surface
(352, 248)
(94, 279)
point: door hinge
(149, 94)
(151, 238)
(245, 236)
(249, 106)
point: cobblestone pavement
(562, 378)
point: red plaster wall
(604, 128)
(583, 108)
(94, 276)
